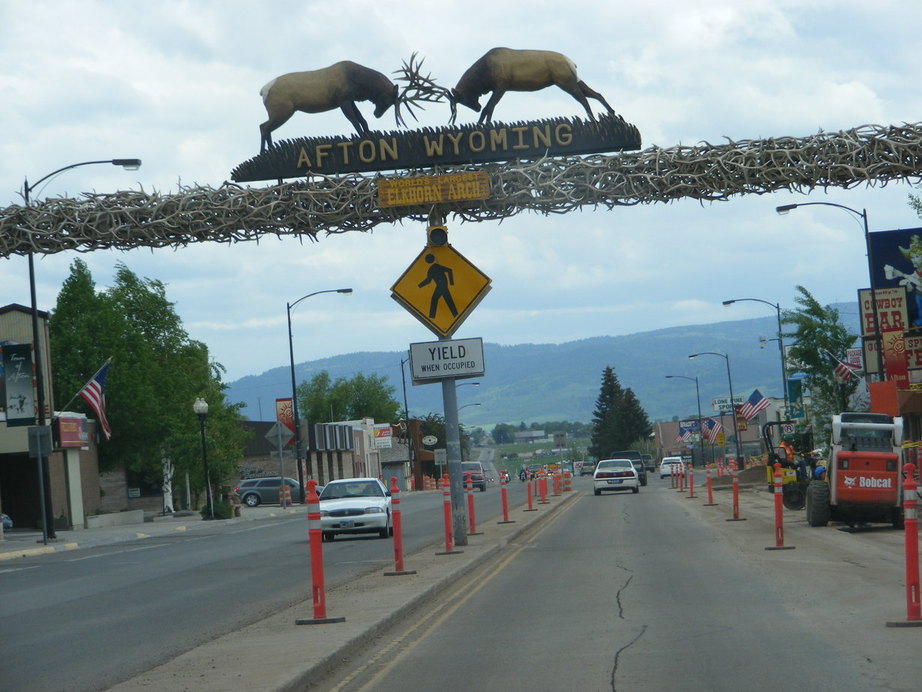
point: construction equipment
(794, 477)
(861, 482)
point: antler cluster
(418, 89)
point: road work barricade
(567, 482)
(777, 491)
(911, 540)
(284, 494)
(315, 534)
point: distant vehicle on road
(256, 491)
(670, 465)
(587, 468)
(355, 505)
(477, 474)
(635, 457)
(615, 474)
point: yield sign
(279, 435)
(441, 288)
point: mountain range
(560, 382)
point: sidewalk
(28, 542)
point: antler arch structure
(869, 154)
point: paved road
(85, 619)
(644, 593)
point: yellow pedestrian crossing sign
(441, 288)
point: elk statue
(506, 69)
(339, 86)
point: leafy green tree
(157, 372)
(503, 433)
(363, 396)
(816, 330)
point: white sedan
(355, 505)
(615, 474)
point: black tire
(818, 509)
(896, 518)
(636, 489)
(793, 496)
(327, 536)
(251, 500)
(483, 488)
(597, 492)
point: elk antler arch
(869, 154)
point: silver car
(257, 491)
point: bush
(222, 510)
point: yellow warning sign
(441, 288)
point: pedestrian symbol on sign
(442, 277)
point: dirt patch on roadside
(751, 476)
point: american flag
(712, 428)
(755, 403)
(841, 370)
(93, 393)
(684, 435)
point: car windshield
(471, 468)
(615, 464)
(339, 491)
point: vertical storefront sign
(18, 379)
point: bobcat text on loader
(862, 482)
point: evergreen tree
(604, 437)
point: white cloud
(177, 84)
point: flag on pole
(712, 429)
(93, 393)
(755, 403)
(841, 370)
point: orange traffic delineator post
(505, 501)
(734, 475)
(529, 496)
(691, 483)
(911, 540)
(398, 533)
(710, 487)
(673, 483)
(777, 491)
(542, 488)
(469, 489)
(446, 504)
(315, 535)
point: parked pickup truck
(636, 458)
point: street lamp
(294, 390)
(784, 369)
(736, 430)
(863, 215)
(127, 164)
(201, 410)
(465, 406)
(698, 398)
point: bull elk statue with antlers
(507, 69)
(339, 86)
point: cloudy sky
(177, 85)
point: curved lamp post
(863, 215)
(736, 430)
(201, 410)
(294, 389)
(784, 369)
(45, 483)
(698, 399)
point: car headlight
(374, 510)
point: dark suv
(478, 477)
(255, 491)
(636, 459)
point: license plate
(346, 523)
(613, 481)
